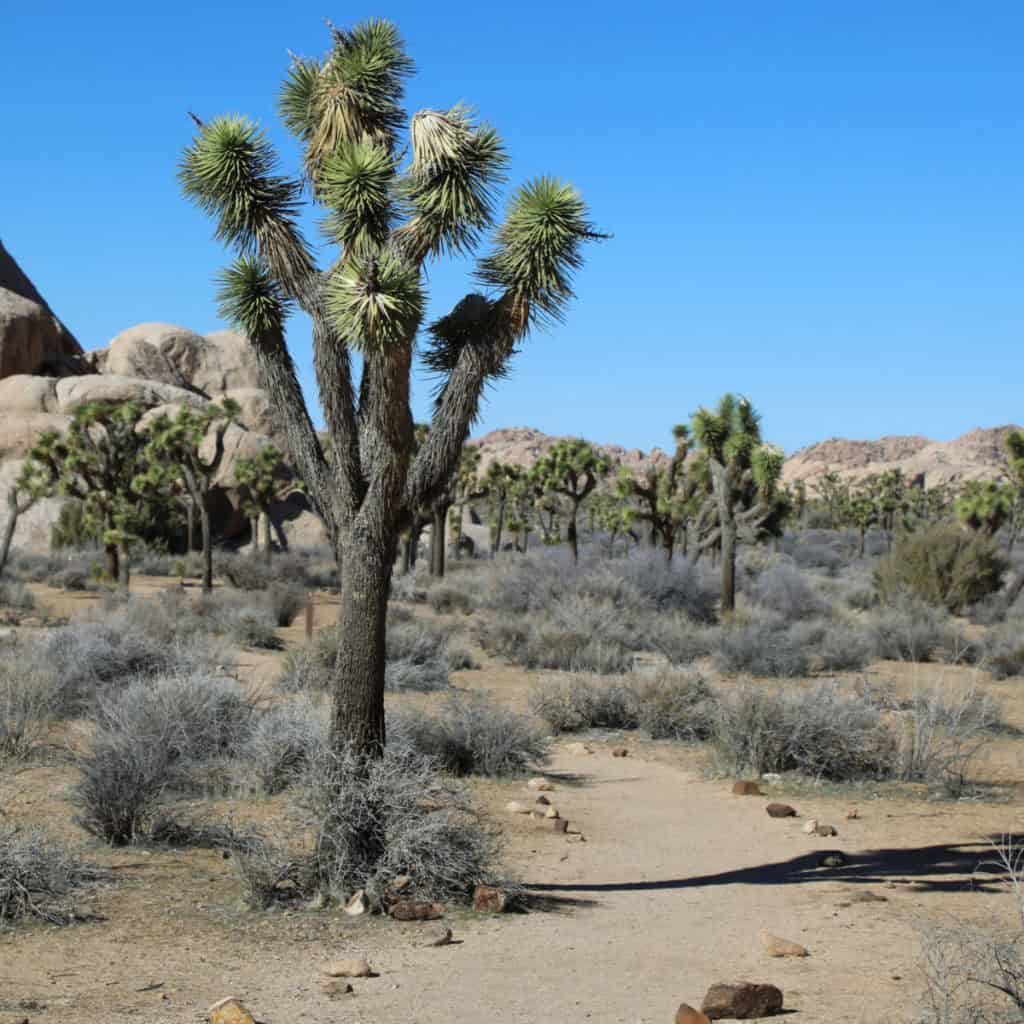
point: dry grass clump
(1002, 649)
(974, 974)
(785, 591)
(16, 596)
(156, 738)
(27, 707)
(39, 878)
(471, 736)
(915, 631)
(372, 822)
(283, 742)
(667, 704)
(763, 645)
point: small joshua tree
(498, 483)
(97, 461)
(861, 512)
(667, 497)
(263, 480)
(23, 494)
(387, 222)
(176, 452)
(572, 469)
(744, 474)
(984, 506)
(467, 489)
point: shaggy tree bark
(18, 503)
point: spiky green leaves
(229, 172)
(376, 302)
(251, 298)
(298, 95)
(451, 183)
(766, 461)
(356, 95)
(729, 433)
(539, 247)
(357, 184)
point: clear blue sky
(817, 204)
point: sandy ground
(661, 891)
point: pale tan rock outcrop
(32, 338)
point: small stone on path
(411, 910)
(746, 787)
(743, 1000)
(541, 784)
(780, 811)
(515, 807)
(776, 946)
(353, 968)
(334, 987)
(620, 751)
(811, 826)
(686, 1014)
(358, 904)
(230, 1011)
(490, 899)
(441, 938)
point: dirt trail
(673, 883)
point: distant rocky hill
(977, 455)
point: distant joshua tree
(572, 469)
(744, 473)
(387, 222)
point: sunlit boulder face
(32, 338)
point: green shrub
(944, 566)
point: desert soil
(659, 890)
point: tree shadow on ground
(950, 867)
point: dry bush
(374, 820)
(39, 878)
(471, 736)
(152, 738)
(818, 733)
(679, 638)
(783, 590)
(574, 703)
(27, 703)
(944, 566)
(845, 647)
(914, 631)
(1002, 650)
(942, 729)
(16, 596)
(447, 600)
(975, 974)
(673, 705)
(764, 645)
(282, 743)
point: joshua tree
(1015, 453)
(984, 506)
(96, 461)
(262, 481)
(615, 514)
(177, 451)
(23, 494)
(667, 497)
(861, 512)
(834, 494)
(572, 469)
(467, 489)
(458, 489)
(387, 222)
(743, 474)
(498, 482)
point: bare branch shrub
(471, 736)
(39, 877)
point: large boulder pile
(32, 339)
(45, 376)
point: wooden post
(309, 616)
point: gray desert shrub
(40, 877)
(27, 703)
(1002, 649)
(472, 735)
(914, 631)
(575, 703)
(817, 549)
(944, 566)
(783, 591)
(283, 742)
(287, 601)
(974, 973)
(817, 732)
(763, 646)
(679, 638)
(153, 738)
(447, 600)
(845, 647)
(941, 730)
(375, 820)
(677, 586)
(245, 572)
(672, 705)
(16, 596)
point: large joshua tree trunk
(268, 537)
(207, 532)
(573, 536)
(722, 486)
(438, 540)
(358, 716)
